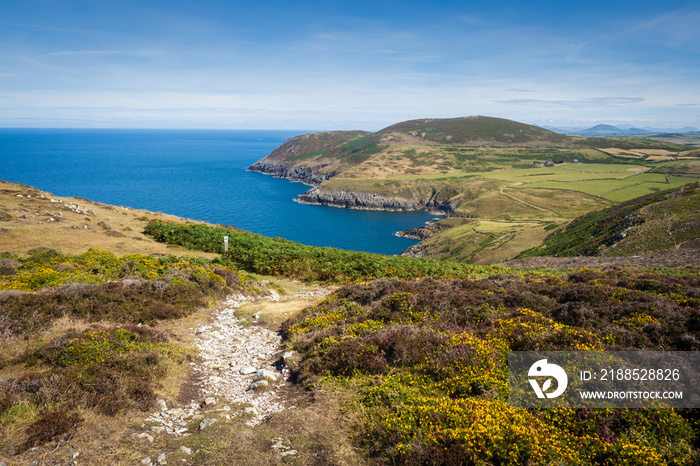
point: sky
(326, 65)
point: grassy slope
(668, 219)
(483, 168)
(84, 356)
(29, 219)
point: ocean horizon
(195, 174)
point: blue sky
(346, 65)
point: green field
(615, 183)
(621, 189)
(654, 222)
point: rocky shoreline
(302, 174)
(360, 201)
(344, 199)
(347, 199)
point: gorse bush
(47, 268)
(111, 368)
(97, 285)
(107, 369)
(280, 257)
(430, 357)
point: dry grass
(319, 430)
(483, 241)
(15, 347)
(521, 239)
(33, 220)
(637, 153)
(98, 440)
(273, 313)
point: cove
(196, 174)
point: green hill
(476, 129)
(503, 185)
(355, 147)
(663, 220)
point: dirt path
(238, 353)
(541, 209)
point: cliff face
(310, 158)
(367, 201)
(281, 170)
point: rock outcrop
(280, 170)
(366, 201)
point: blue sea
(197, 174)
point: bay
(196, 174)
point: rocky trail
(237, 372)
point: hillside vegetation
(503, 185)
(280, 257)
(664, 220)
(31, 218)
(404, 363)
(87, 345)
(429, 361)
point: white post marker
(225, 243)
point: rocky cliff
(304, 174)
(368, 201)
(310, 158)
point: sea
(196, 174)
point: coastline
(354, 200)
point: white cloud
(592, 102)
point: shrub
(430, 357)
(51, 425)
(109, 369)
(150, 289)
(280, 257)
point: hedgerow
(279, 257)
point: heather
(105, 369)
(421, 350)
(429, 359)
(97, 285)
(108, 355)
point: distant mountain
(637, 131)
(604, 130)
(610, 131)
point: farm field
(521, 205)
(615, 183)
